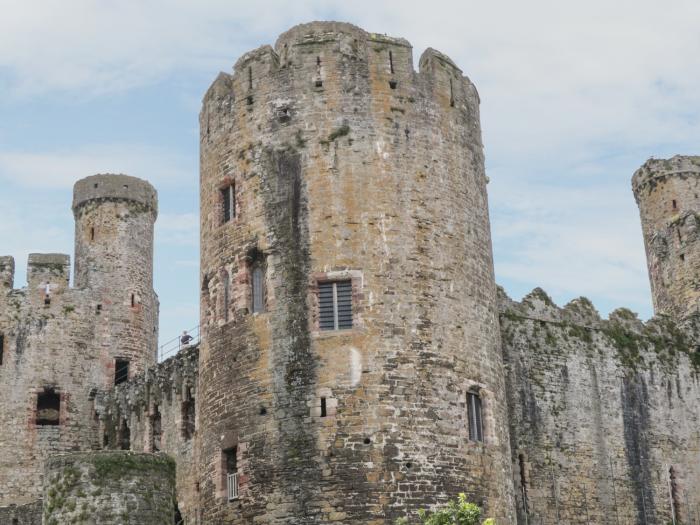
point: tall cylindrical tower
(667, 194)
(350, 368)
(114, 218)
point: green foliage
(460, 512)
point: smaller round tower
(114, 220)
(668, 194)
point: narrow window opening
(133, 300)
(95, 185)
(228, 203)
(2, 347)
(523, 481)
(249, 100)
(230, 460)
(324, 411)
(105, 440)
(318, 61)
(48, 407)
(156, 430)
(674, 204)
(121, 371)
(335, 305)
(452, 95)
(258, 287)
(319, 83)
(92, 233)
(682, 257)
(124, 437)
(678, 233)
(98, 309)
(188, 415)
(476, 431)
(391, 62)
(392, 84)
(226, 284)
(250, 78)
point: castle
(357, 361)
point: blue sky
(575, 97)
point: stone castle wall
(604, 414)
(109, 488)
(60, 343)
(155, 412)
(347, 165)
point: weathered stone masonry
(346, 165)
(60, 343)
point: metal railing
(232, 485)
(174, 345)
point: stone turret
(350, 369)
(668, 194)
(114, 220)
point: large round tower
(114, 218)
(667, 192)
(350, 368)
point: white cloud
(60, 169)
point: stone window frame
(62, 400)
(488, 419)
(356, 279)
(227, 182)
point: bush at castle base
(460, 512)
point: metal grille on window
(228, 202)
(476, 430)
(258, 296)
(335, 305)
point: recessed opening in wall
(335, 305)
(391, 62)
(156, 430)
(452, 95)
(367, 441)
(474, 413)
(226, 285)
(105, 440)
(2, 347)
(674, 204)
(228, 203)
(188, 414)
(124, 436)
(523, 480)
(250, 77)
(682, 257)
(258, 288)
(95, 185)
(249, 100)
(263, 411)
(392, 84)
(324, 411)
(48, 407)
(92, 233)
(133, 300)
(318, 83)
(121, 370)
(408, 465)
(98, 309)
(230, 464)
(126, 186)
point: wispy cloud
(60, 169)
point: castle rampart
(604, 414)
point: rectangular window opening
(2, 347)
(258, 289)
(335, 305)
(674, 204)
(231, 468)
(121, 371)
(476, 430)
(228, 202)
(48, 407)
(324, 411)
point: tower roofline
(659, 169)
(107, 186)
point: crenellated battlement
(332, 64)
(7, 272)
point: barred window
(335, 305)
(228, 202)
(476, 429)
